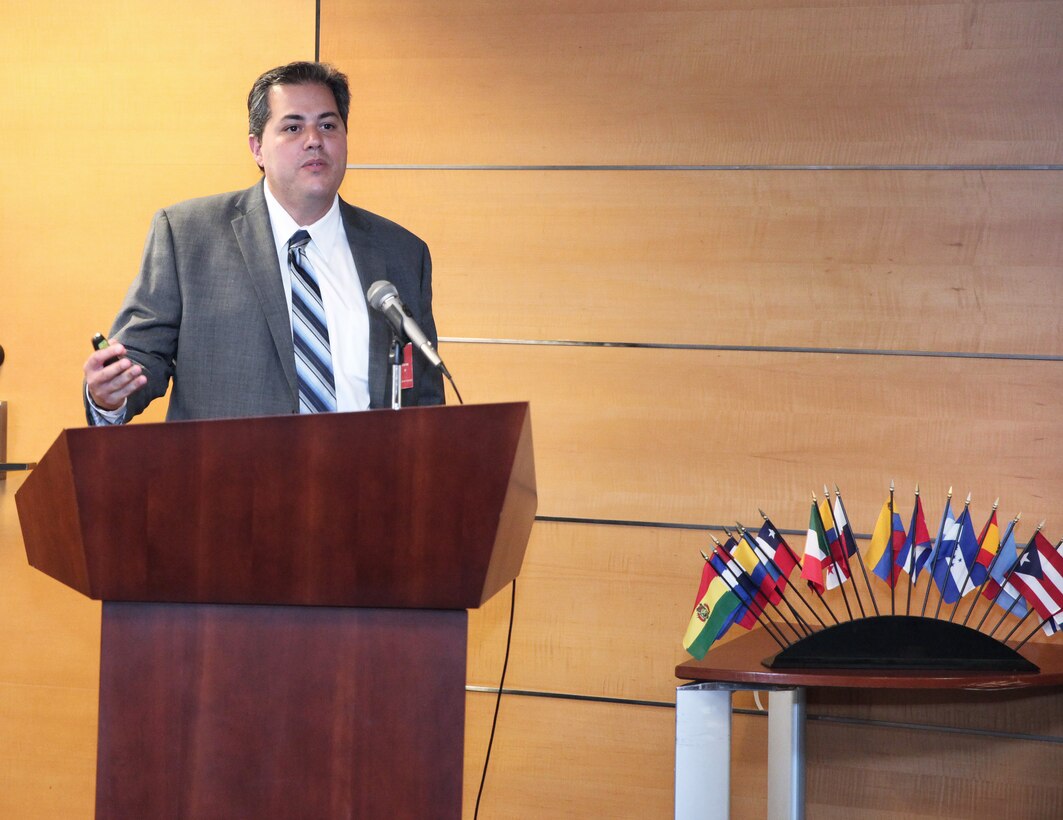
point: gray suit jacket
(208, 311)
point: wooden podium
(284, 625)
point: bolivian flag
(712, 613)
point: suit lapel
(254, 234)
(372, 266)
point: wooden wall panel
(1037, 713)
(647, 82)
(115, 111)
(706, 437)
(907, 260)
(564, 758)
(883, 772)
(589, 595)
(47, 751)
(942, 259)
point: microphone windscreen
(379, 292)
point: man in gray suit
(211, 308)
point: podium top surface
(739, 661)
(426, 507)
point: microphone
(384, 297)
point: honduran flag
(886, 541)
(955, 558)
(713, 607)
(1039, 577)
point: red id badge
(407, 366)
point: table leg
(702, 752)
(786, 754)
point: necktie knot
(300, 239)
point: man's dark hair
(300, 73)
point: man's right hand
(110, 384)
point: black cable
(452, 384)
(498, 699)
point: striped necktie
(313, 356)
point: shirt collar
(322, 233)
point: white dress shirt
(346, 313)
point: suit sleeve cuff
(101, 417)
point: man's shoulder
(380, 228)
(217, 206)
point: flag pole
(1004, 580)
(911, 558)
(845, 554)
(765, 595)
(1007, 577)
(741, 595)
(1022, 620)
(970, 566)
(797, 563)
(822, 600)
(937, 550)
(990, 568)
(859, 555)
(832, 562)
(1052, 617)
(893, 559)
(941, 592)
(782, 591)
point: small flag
(775, 547)
(712, 609)
(988, 544)
(918, 539)
(750, 601)
(955, 558)
(817, 567)
(1052, 625)
(836, 551)
(889, 530)
(1001, 597)
(1039, 577)
(842, 523)
(764, 575)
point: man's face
(303, 149)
